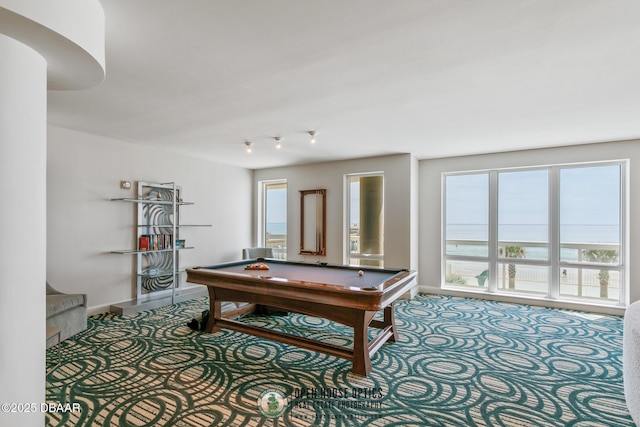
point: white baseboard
(526, 299)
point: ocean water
(589, 233)
(575, 234)
(606, 234)
(277, 228)
(570, 235)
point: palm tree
(603, 256)
(455, 278)
(512, 252)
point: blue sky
(588, 195)
(277, 205)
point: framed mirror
(313, 224)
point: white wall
(84, 172)
(430, 196)
(399, 251)
(414, 220)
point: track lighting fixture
(278, 140)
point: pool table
(335, 292)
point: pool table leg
(390, 320)
(363, 349)
(361, 363)
(215, 312)
(389, 323)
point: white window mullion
(554, 232)
(624, 245)
(260, 227)
(443, 229)
(346, 223)
(493, 232)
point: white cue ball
(360, 272)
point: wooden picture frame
(313, 222)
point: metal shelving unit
(158, 267)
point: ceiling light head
(278, 142)
(248, 144)
(312, 136)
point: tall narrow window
(365, 219)
(590, 250)
(523, 230)
(467, 229)
(555, 232)
(275, 217)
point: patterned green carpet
(459, 362)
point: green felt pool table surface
(338, 275)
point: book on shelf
(143, 243)
(155, 242)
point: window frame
(347, 217)
(554, 263)
(262, 215)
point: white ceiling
(436, 78)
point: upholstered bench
(67, 312)
(631, 360)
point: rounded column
(23, 218)
(43, 45)
(371, 217)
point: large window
(365, 219)
(274, 217)
(554, 232)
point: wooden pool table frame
(350, 306)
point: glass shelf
(154, 201)
(158, 273)
(135, 251)
(171, 225)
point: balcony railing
(279, 246)
(357, 258)
(579, 275)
